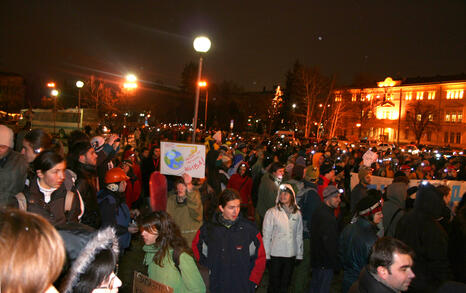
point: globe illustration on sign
(173, 159)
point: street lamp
(129, 85)
(202, 45)
(79, 85)
(294, 106)
(55, 94)
(204, 85)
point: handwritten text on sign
(178, 158)
(143, 284)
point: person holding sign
(185, 207)
(168, 255)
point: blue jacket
(356, 241)
(235, 256)
(115, 213)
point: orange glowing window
(431, 95)
(455, 94)
(354, 98)
(409, 96)
(420, 95)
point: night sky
(254, 43)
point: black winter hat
(326, 167)
(369, 202)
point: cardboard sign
(377, 182)
(179, 158)
(144, 284)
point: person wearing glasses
(358, 237)
(95, 269)
(167, 254)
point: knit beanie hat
(370, 204)
(330, 191)
(6, 136)
(325, 168)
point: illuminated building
(438, 102)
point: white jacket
(282, 236)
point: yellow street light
(131, 82)
(202, 83)
(51, 84)
(54, 93)
(202, 44)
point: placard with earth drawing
(179, 158)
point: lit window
(460, 117)
(418, 117)
(455, 94)
(420, 95)
(354, 98)
(368, 97)
(447, 118)
(431, 117)
(431, 96)
(408, 96)
(453, 118)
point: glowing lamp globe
(201, 44)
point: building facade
(425, 110)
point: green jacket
(267, 194)
(187, 216)
(189, 280)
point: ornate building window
(455, 94)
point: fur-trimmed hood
(103, 239)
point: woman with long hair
(167, 254)
(283, 238)
(32, 253)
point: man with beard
(82, 160)
(360, 190)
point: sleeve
(299, 237)
(75, 208)
(267, 229)
(107, 213)
(259, 263)
(199, 246)
(194, 205)
(190, 275)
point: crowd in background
(266, 203)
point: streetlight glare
(79, 84)
(202, 83)
(294, 106)
(201, 44)
(131, 78)
(51, 84)
(54, 93)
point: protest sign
(457, 187)
(144, 284)
(179, 158)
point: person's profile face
(400, 273)
(378, 217)
(149, 237)
(28, 151)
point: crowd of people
(266, 204)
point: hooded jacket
(419, 229)
(102, 240)
(186, 280)
(267, 193)
(394, 208)
(356, 241)
(283, 235)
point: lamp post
(79, 85)
(203, 84)
(129, 85)
(202, 45)
(55, 94)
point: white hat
(6, 136)
(97, 143)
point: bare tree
(420, 118)
(103, 98)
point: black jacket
(87, 187)
(421, 231)
(356, 241)
(368, 284)
(324, 238)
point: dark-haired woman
(46, 194)
(241, 181)
(283, 239)
(167, 254)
